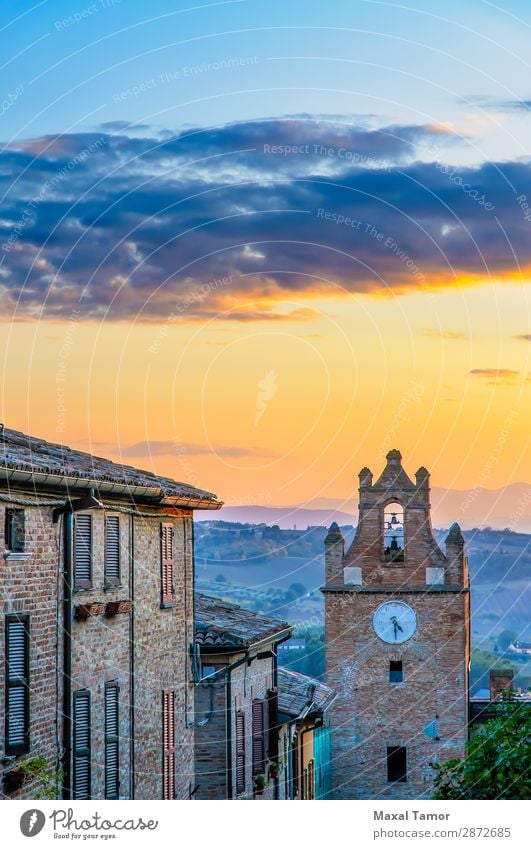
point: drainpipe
(67, 652)
(132, 650)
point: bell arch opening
(394, 539)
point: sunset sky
(255, 246)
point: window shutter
(258, 738)
(83, 551)
(17, 680)
(167, 562)
(15, 530)
(168, 736)
(240, 752)
(82, 776)
(112, 550)
(112, 740)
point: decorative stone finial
(455, 537)
(393, 457)
(334, 534)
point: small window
(258, 738)
(17, 685)
(15, 531)
(166, 545)
(112, 551)
(83, 551)
(112, 740)
(396, 763)
(168, 738)
(240, 752)
(82, 745)
(396, 674)
(208, 672)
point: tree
(505, 639)
(498, 763)
(298, 589)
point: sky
(255, 246)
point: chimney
(500, 680)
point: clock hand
(396, 626)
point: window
(14, 532)
(17, 685)
(396, 674)
(81, 753)
(396, 763)
(168, 735)
(167, 564)
(393, 533)
(112, 551)
(112, 740)
(258, 738)
(82, 551)
(240, 752)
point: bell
(394, 520)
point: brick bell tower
(396, 640)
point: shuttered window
(240, 752)
(166, 537)
(112, 550)
(112, 740)
(81, 747)
(258, 738)
(17, 685)
(15, 530)
(168, 737)
(83, 551)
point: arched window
(394, 533)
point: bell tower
(397, 617)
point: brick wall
(29, 586)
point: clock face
(394, 622)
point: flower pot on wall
(15, 779)
(114, 607)
(91, 608)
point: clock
(394, 622)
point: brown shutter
(112, 740)
(167, 591)
(83, 551)
(258, 738)
(168, 736)
(112, 550)
(17, 685)
(82, 735)
(240, 752)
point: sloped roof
(300, 695)
(221, 624)
(23, 453)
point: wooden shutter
(112, 740)
(112, 550)
(258, 738)
(240, 752)
(17, 685)
(168, 736)
(167, 591)
(81, 753)
(83, 551)
(15, 529)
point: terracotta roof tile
(221, 624)
(18, 451)
(300, 695)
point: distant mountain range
(509, 507)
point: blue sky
(372, 63)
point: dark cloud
(136, 227)
(498, 373)
(523, 337)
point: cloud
(495, 375)
(285, 208)
(524, 337)
(170, 447)
(444, 334)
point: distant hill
(498, 508)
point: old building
(397, 641)
(237, 735)
(305, 753)
(96, 612)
